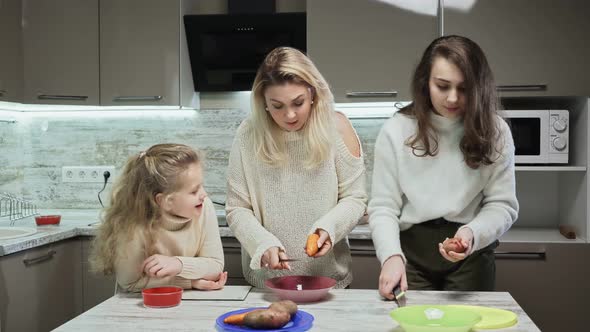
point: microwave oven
(540, 136)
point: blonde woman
(295, 169)
(161, 229)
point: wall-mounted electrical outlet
(86, 173)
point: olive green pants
(426, 269)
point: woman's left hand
(465, 235)
(324, 243)
(161, 266)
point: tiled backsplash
(33, 150)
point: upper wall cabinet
(139, 52)
(367, 49)
(11, 63)
(535, 47)
(60, 49)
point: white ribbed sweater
(280, 206)
(408, 190)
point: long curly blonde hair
(289, 65)
(133, 207)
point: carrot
(237, 319)
(311, 247)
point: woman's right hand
(393, 273)
(271, 259)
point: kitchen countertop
(344, 310)
(84, 223)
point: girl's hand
(465, 235)
(271, 259)
(204, 284)
(160, 266)
(393, 273)
(324, 243)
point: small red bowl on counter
(47, 220)
(162, 297)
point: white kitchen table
(343, 310)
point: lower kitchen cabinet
(40, 288)
(365, 265)
(550, 281)
(232, 253)
(96, 287)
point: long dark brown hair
(481, 108)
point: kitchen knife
(400, 296)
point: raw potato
(286, 305)
(267, 319)
(311, 247)
(454, 244)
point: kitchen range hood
(225, 50)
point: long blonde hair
(288, 65)
(133, 207)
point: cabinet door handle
(363, 252)
(520, 255)
(137, 98)
(354, 94)
(522, 87)
(61, 97)
(42, 258)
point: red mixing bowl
(301, 289)
(162, 297)
(47, 220)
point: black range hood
(225, 50)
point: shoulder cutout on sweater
(348, 134)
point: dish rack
(16, 208)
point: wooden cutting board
(228, 293)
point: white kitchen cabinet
(139, 52)
(535, 47)
(11, 62)
(40, 288)
(367, 49)
(60, 51)
(555, 195)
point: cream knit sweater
(408, 190)
(280, 206)
(196, 242)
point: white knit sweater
(196, 242)
(280, 206)
(408, 190)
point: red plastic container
(162, 297)
(47, 220)
(301, 289)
